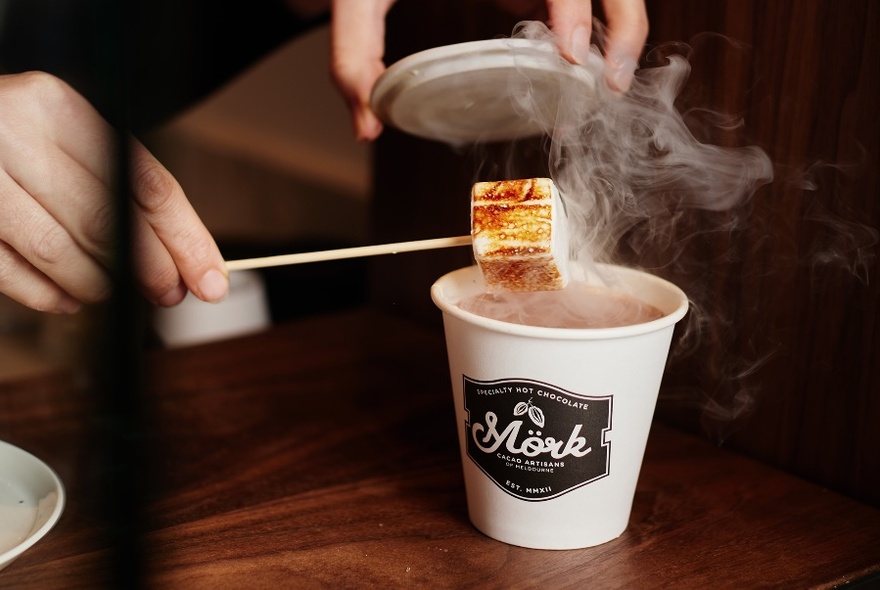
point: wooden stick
(338, 254)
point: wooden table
(322, 454)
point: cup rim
(669, 318)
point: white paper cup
(553, 422)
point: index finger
(627, 33)
(572, 22)
(168, 213)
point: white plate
(475, 92)
(31, 501)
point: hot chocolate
(577, 306)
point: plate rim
(36, 463)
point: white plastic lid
(481, 91)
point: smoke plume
(649, 178)
(627, 160)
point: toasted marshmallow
(519, 234)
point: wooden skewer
(340, 253)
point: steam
(622, 161)
(838, 241)
(637, 183)
(646, 180)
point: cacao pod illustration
(537, 416)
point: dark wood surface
(322, 454)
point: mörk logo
(536, 441)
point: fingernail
(213, 286)
(622, 71)
(68, 305)
(173, 297)
(580, 45)
(368, 126)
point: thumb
(357, 39)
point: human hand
(627, 30)
(358, 45)
(56, 204)
(357, 38)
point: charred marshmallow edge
(519, 235)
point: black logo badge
(536, 441)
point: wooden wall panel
(787, 366)
(796, 368)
